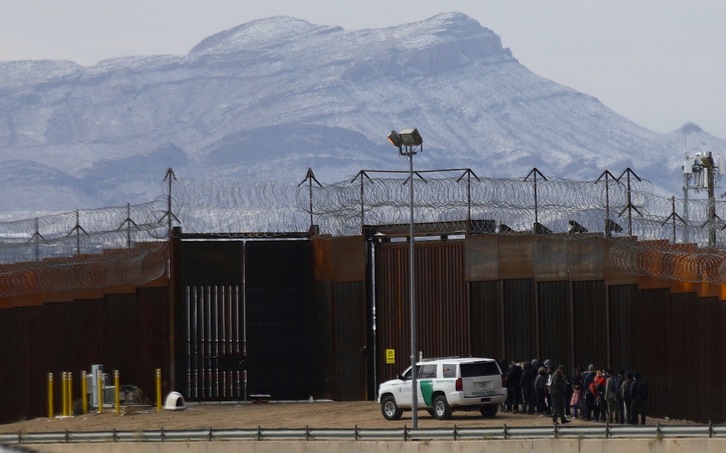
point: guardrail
(357, 434)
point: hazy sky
(660, 63)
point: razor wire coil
(669, 245)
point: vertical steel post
(409, 140)
(412, 294)
(711, 203)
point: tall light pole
(692, 180)
(710, 167)
(407, 141)
(701, 172)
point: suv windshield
(407, 374)
(479, 369)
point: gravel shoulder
(318, 414)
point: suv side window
(479, 369)
(449, 370)
(427, 372)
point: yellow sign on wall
(390, 356)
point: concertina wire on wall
(128, 244)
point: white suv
(445, 385)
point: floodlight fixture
(395, 140)
(411, 137)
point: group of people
(591, 394)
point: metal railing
(370, 434)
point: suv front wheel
(390, 409)
(442, 410)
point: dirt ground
(364, 414)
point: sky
(659, 63)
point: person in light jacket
(539, 387)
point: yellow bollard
(50, 395)
(100, 393)
(70, 393)
(158, 390)
(84, 395)
(117, 390)
(64, 395)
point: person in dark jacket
(539, 387)
(587, 378)
(638, 396)
(557, 395)
(504, 367)
(514, 389)
(621, 400)
(627, 400)
(535, 397)
(577, 387)
(526, 385)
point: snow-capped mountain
(271, 98)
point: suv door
(427, 375)
(403, 396)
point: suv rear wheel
(490, 410)
(390, 409)
(442, 410)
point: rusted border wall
(518, 296)
(530, 297)
(271, 282)
(441, 297)
(306, 310)
(342, 319)
(123, 332)
(302, 311)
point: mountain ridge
(272, 97)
